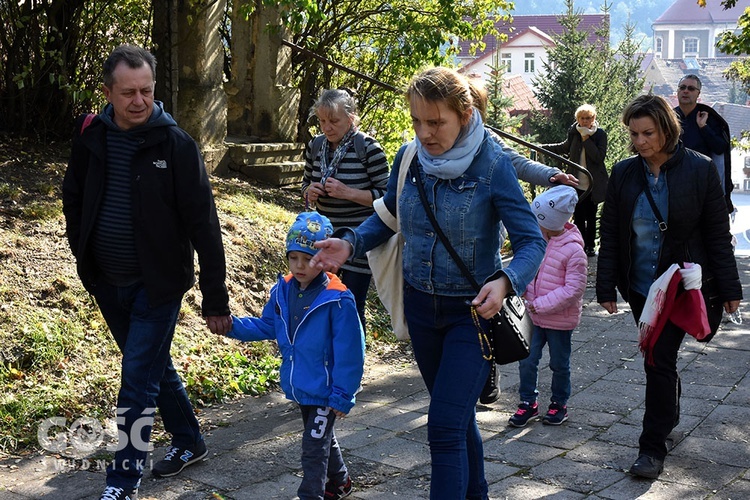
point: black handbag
(510, 329)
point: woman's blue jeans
(148, 378)
(446, 347)
(560, 342)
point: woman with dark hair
(664, 207)
(471, 188)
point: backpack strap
(316, 146)
(87, 121)
(359, 146)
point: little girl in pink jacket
(554, 300)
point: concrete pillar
(274, 116)
(262, 104)
(201, 100)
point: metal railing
(564, 161)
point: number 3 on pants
(322, 421)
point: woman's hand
(611, 307)
(333, 253)
(315, 191)
(731, 305)
(489, 300)
(337, 189)
(564, 179)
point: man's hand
(701, 118)
(219, 325)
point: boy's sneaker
(334, 492)
(523, 414)
(556, 415)
(177, 459)
(114, 493)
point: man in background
(705, 131)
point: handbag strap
(650, 197)
(444, 239)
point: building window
(690, 47)
(528, 62)
(505, 62)
(658, 46)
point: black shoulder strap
(650, 197)
(414, 170)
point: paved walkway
(254, 443)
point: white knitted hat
(554, 207)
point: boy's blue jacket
(323, 361)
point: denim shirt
(469, 209)
(648, 239)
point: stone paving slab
(254, 442)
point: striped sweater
(373, 177)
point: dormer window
(690, 47)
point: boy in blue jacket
(314, 319)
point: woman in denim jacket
(472, 187)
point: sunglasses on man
(688, 87)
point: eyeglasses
(688, 87)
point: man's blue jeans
(446, 347)
(148, 379)
(560, 345)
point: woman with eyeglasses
(664, 206)
(586, 145)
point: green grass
(57, 357)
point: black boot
(491, 391)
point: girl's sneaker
(556, 415)
(523, 414)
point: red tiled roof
(523, 97)
(689, 12)
(548, 24)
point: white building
(689, 31)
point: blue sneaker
(556, 415)
(114, 493)
(523, 414)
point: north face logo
(160, 163)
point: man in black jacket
(704, 130)
(137, 202)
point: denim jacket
(469, 209)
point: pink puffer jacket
(557, 291)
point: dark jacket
(698, 226)
(173, 212)
(596, 150)
(713, 140)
